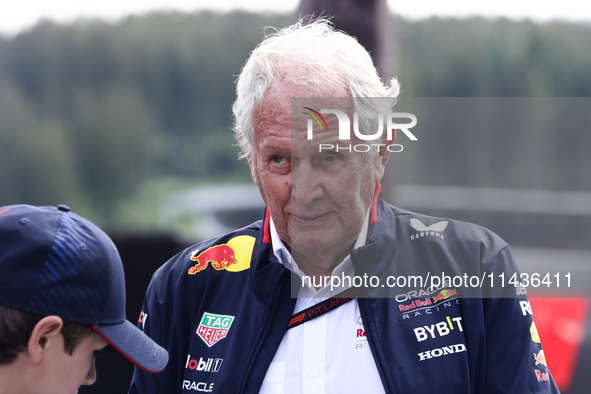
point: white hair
(311, 54)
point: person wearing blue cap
(62, 299)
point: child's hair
(16, 327)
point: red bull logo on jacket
(444, 295)
(540, 358)
(534, 333)
(233, 256)
(220, 257)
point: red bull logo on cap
(233, 256)
(444, 294)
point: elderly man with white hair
(309, 299)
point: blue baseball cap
(54, 262)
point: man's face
(69, 372)
(318, 200)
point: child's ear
(45, 334)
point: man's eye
(278, 159)
(330, 158)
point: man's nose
(91, 377)
(306, 184)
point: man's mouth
(307, 218)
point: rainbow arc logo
(316, 118)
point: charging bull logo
(540, 358)
(220, 257)
(233, 256)
(444, 294)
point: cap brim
(130, 341)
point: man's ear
(251, 163)
(382, 159)
(253, 171)
(45, 334)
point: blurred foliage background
(109, 118)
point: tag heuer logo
(214, 327)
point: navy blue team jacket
(221, 308)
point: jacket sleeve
(150, 322)
(515, 361)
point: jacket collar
(377, 255)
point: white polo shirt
(330, 353)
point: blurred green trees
(92, 114)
